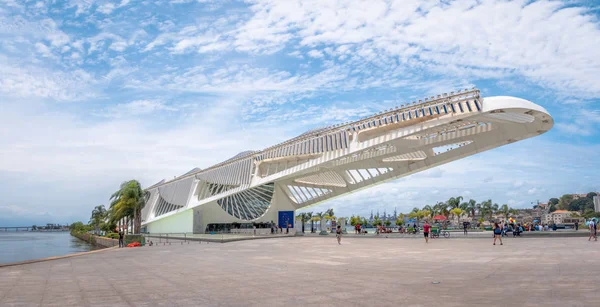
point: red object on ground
(134, 244)
(439, 218)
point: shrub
(112, 235)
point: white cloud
(315, 54)
(574, 129)
(29, 81)
(137, 107)
(43, 50)
(109, 7)
(490, 39)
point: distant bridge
(27, 228)
(16, 228)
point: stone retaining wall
(96, 240)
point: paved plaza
(315, 271)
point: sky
(93, 93)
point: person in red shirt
(426, 229)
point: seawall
(96, 240)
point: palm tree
(128, 202)
(304, 217)
(505, 210)
(319, 217)
(456, 212)
(438, 208)
(471, 207)
(424, 213)
(98, 216)
(329, 212)
(487, 209)
(454, 202)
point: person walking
(465, 225)
(576, 226)
(338, 234)
(426, 229)
(592, 227)
(121, 244)
(497, 233)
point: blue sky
(93, 93)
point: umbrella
(439, 218)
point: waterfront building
(556, 217)
(271, 184)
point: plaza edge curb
(3, 265)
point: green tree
(564, 201)
(79, 227)
(487, 209)
(354, 220)
(387, 223)
(581, 204)
(377, 222)
(471, 207)
(319, 216)
(329, 212)
(456, 212)
(400, 222)
(553, 201)
(128, 202)
(552, 208)
(98, 216)
(454, 202)
(591, 195)
(590, 214)
(504, 210)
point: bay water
(28, 245)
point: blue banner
(285, 218)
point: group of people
(500, 230)
(275, 229)
(359, 230)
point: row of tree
(125, 209)
(313, 217)
(452, 208)
(584, 205)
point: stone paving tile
(315, 271)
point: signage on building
(286, 218)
